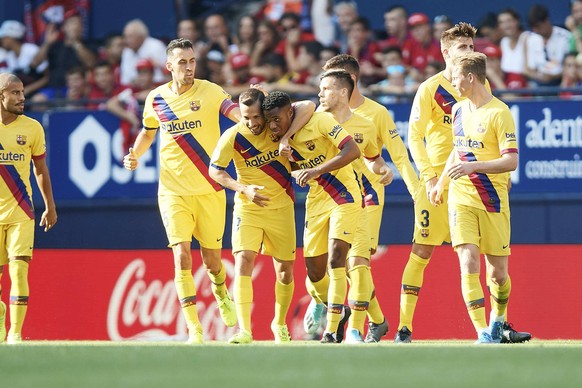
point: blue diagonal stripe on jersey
(444, 99)
(296, 155)
(484, 186)
(163, 109)
(241, 144)
(369, 190)
(458, 123)
(17, 187)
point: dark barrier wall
(102, 205)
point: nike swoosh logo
(505, 246)
(346, 232)
(247, 150)
(447, 103)
(218, 239)
(395, 136)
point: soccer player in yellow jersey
(430, 142)
(386, 135)
(336, 88)
(186, 110)
(21, 141)
(264, 213)
(323, 151)
(485, 151)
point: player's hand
(252, 193)
(436, 194)
(130, 160)
(430, 184)
(284, 148)
(304, 176)
(387, 176)
(259, 87)
(48, 219)
(461, 169)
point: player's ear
(169, 66)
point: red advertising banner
(129, 295)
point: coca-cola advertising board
(124, 295)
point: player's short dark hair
(251, 96)
(344, 62)
(459, 30)
(344, 79)
(180, 43)
(276, 99)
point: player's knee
(315, 274)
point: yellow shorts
(374, 220)
(16, 240)
(362, 244)
(201, 216)
(339, 223)
(273, 230)
(431, 224)
(490, 231)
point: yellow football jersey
(387, 134)
(429, 135)
(257, 162)
(189, 131)
(21, 141)
(319, 140)
(364, 133)
(481, 135)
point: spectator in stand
(488, 32)
(345, 13)
(268, 39)
(188, 29)
(104, 85)
(126, 104)
(574, 24)
(111, 53)
(327, 52)
(396, 26)
(421, 48)
(246, 35)
(215, 61)
(364, 48)
(140, 45)
(522, 50)
(495, 75)
(440, 24)
(433, 68)
(62, 55)
(397, 82)
(324, 29)
(307, 79)
(217, 35)
(240, 77)
(572, 76)
(274, 9)
(556, 46)
(19, 55)
(292, 35)
(275, 71)
(75, 93)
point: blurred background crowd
(281, 44)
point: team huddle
(462, 140)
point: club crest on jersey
(310, 145)
(424, 233)
(194, 105)
(21, 139)
(359, 137)
(274, 138)
(480, 128)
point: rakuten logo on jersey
(145, 308)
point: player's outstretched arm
(41, 174)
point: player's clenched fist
(130, 160)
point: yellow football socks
(412, 279)
(243, 297)
(186, 290)
(358, 296)
(18, 294)
(375, 313)
(500, 297)
(283, 296)
(318, 290)
(338, 289)
(474, 300)
(219, 283)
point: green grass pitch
(301, 364)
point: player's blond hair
(459, 30)
(474, 63)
